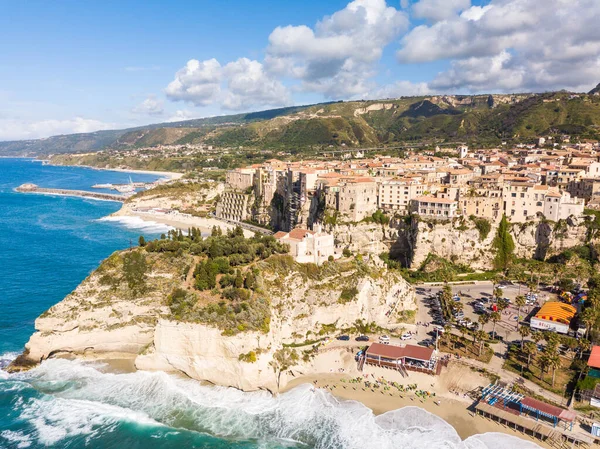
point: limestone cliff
(103, 316)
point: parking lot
(469, 295)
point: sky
(70, 66)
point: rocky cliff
(103, 317)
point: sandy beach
(455, 411)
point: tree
(483, 320)
(239, 280)
(589, 316)
(520, 302)
(142, 241)
(502, 304)
(494, 318)
(554, 363)
(582, 346)
(481, 335)
(283, 359)
(529, 349)
(525, 332)
(504, 245)
(250, 281)
(134, 271)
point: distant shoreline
(169, 174)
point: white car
(406, 337)
(384, 339)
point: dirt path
(189, 279)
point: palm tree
(502, 304)
(520, 302)
(494, 318)
(481, 335)
(525, 332)
(537, 337)
(474, 329)
(497, 294)
(483, 320)
(554, 363)
(583, 345)
(529, 349)
(589, 316)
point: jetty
(33, 188)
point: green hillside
(478, 119)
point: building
(308, 246)
(233, 206)
(240, 178)
(354, 198)
(560, 206)
(407, 357)
(432, 207)
(554, 316)
(396, 194)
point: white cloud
(337, 58)
(237, 85)
(199, 82)
(437, 10)
(401, 89)
(150, 106)
(513, 45)
(13, 129)
(181, 115)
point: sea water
(48, 245)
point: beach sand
(451, 389)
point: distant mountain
(480, 119)
(595, 90)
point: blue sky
(75, 66)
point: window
(514, 195)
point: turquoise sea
(48, 245)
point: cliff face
(307, 305)
(462, 242)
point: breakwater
(32, 188)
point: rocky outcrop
(307, 305)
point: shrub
(249, 357)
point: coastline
(168, 174)
(454, 410)
(178, 221)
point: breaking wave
(75, 400)
(148, 226)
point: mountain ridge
(485, 119)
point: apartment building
(395, 194)
(436, 208)
(233, 206)
(354, 198)
(484, 203)
(240, 178)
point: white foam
(151, 227)
(82, 395)
(19, 439)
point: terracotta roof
(432, 199)
(399, 352)
(299, 233)
(280, 234)
(556, 311)
(594, 360)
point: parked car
(426, 343)
(344, 337)
(406, 337)
(362, 338)
(384, 339)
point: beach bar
(499, 396)
(401, 358)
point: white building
(432, 207)
(308, 246)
